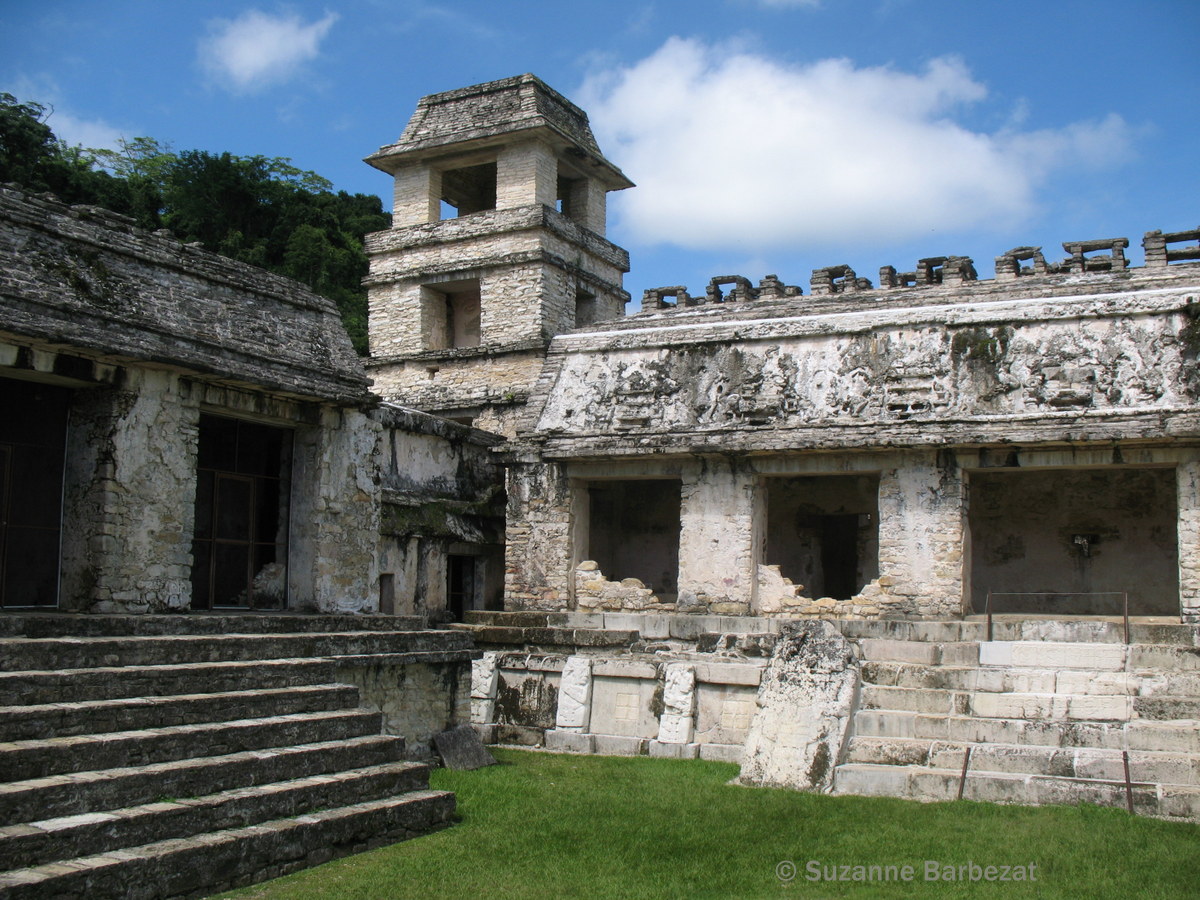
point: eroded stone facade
(165, 367)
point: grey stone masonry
(496, 109)
(86, 277)
(462, 308)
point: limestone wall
(418, 700)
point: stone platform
(179, 756)
(1049, 709)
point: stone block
(749, 674)
(1072, 655)
(484, 676)
(619, 745)
(460, 748)
(1099, 708)
(570, 742)
(663, 750)
(624, 706)
(675, 729)
(482, 711)
(730, 753)
(624, 668)
(649, 626)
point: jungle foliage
(255, 209)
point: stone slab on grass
(461, 748)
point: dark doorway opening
(1075, 541)
(823, 532)
(460, 585)
(633, 532)
(33, 433)
(242, 500)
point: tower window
(468, 190)
(452, 314)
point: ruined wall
(538, 552)
(904, 383)
(148, 334)
(442, 494)
(335, 514)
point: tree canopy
(256, 209)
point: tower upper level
(499, 145)
(497, 244)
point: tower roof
(490, 114)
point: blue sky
(765, 136)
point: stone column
(129, 496)
(416, 196)
(717, 552)
(526, 173)
(575, 695)
(537, 550)
(334, 554)
(1188, 480)
(485, 681)
(921, 535)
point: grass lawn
(546, 825)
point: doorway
(33, 432)
(240, 546)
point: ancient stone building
(970, 478)
(202, 506)
(198, 434)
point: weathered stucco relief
(851, 370)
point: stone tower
(497, 244)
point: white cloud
(731, 149)
(257, 50)
(74, 130)
(94, 134)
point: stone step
(991, 705)
(104, 789)
(931, 784)
(50, 720)
(1070, 762)
(79, 653)
(513, 636)
(230, 858)
(23, 760)
(1092, 631)
(1029, 680)
(115, 682)
(1163, 658)
(929, 653)
(36, 843)
(1180, 736)
(55, 624)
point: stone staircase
(553, 632)
(179, 756)
(1049, 712)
